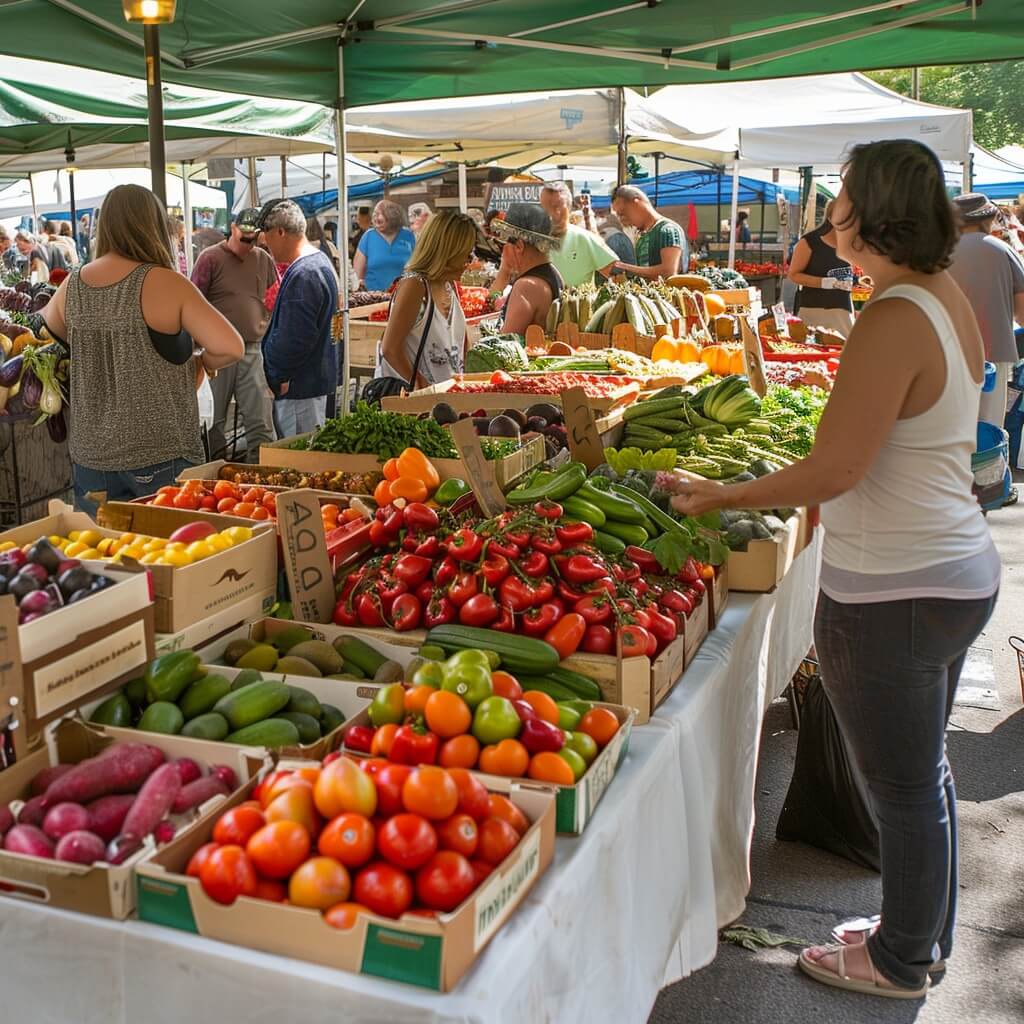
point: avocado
(444, 414)
(503, 426)
(261, 657)
(245, 677)
(288, 638)
(236, 649)
(291, 665)
(319, 653)
(517, 415)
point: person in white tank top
(910, 573)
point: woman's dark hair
(897, 191)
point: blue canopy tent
(1003, 189)
(703, 188)
(313, 202)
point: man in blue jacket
(299, 358)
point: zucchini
(116, 710)
(565, 482)
(518, 653)
(556, 691)
(210, 726)
(607, 544)
(246, 677)
(253, 703)
(584, 686)
(654, 406)
(307, 725)
(330, 718)
(655, 514)
(614, 506)
(303, 701)
(202, 695)
(350, 668)
(356, 652)
(626, 532)
(162, 716)
(575, 507)
(272, 732)
(135, 691)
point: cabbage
(497, 352)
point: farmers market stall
(668, 854)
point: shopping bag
(204, 395)
(825, 806)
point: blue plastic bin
(990, 465)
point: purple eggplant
(10, 372)
(57, 427)
(31, 389)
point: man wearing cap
(234, 277)
(991, 275)
(528, 243)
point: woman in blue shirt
(385, 249)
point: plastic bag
(204, 395)
(825, 806)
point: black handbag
(383, 387)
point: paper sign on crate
(581, 429)
(479, 474)
(753, 358)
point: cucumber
(614, 506)
(202, 695)
(169, 676)
(357, 652)
(162, 716)
(272, 732)
(576, 507)
(135, 691)
(307, 725)
(246, 677)
(432, 652)
(350, 668)
(252, 703)
(585, 687)
(303, 701)
(626, 532)
(607, 544)
(114, 710)
(330, 718)
(546, 685)
(210, 726)
(518, 653)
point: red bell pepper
(690, 571)
(480, 610)
(567, 634)
(394, 522)
(546, 542)
(409, 543)
(581, 569)
(624, 574)
(429, 548)
(534, 564)
(643, 558)
(378, 535)
(494, 568)
(508, 550)
(345, 614)
(664, 627)
(360, 738)
(445, 571)
(413, 744)
(676, 601)
(548, 509)
(412, 570)
(369, 610)
(539, 736)
(463, 588)
(635, 641)
(439, 612)
(466, 545)
(406, 613)
(418, 516)
(572, 534)
(640, 587)
(538, 620)
(517, 594)
(519, 537)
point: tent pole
(35, 211)
(621, 173)
(732, 213)
(339, 149)
(718, 214)
(463, 190)
(254, 196)
(284, 177)
(760, 236)
(71, 206)
(657, 174)
(155, 100)
(186, 213)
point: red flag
(692, 231)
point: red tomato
(472, 794)
(390, 779)
(344, 915)
(319, 883)
(226, 504)
(341, 787)
(348, 838)
(227, 874)
(208, 502)
(384, 889)
(445, 881)
(497, 840)
(238, 825)
(279, 848)
(270, 890)
(186, 500)
(199, 858)
(481, 869)
(407, 841)
(458, 833)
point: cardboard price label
(479, 472)
(581, 427)
(306, 562)
(753, 358)
(779, 312)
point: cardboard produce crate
(219, 628)
(717, 596)
(98, 889)
(192, 593)
(759, 569)
(213, 471)
(433, 953)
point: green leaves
(671, 550)
(744, 936)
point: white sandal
(862, 927)
(840, 979)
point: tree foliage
(993, 91)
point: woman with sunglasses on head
(910, 574)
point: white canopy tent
(990, 168)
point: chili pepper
(494, 568)
(624, 574)
(538, 620)
(539, 736)
(412, 570)
(535, 563)
(445, 571)
(425, 592)
(548, 509)
(519, 537)
(566, 634)
(418, 516)
(360, 738)
(634, 641)
(466, 545)
(676, 601)
(350, 584)
(698, 585)
(508, 550)
(517, 594)
(463, 588)
(543, 590)
(582, 569)
(406, 613)
(480, 610)
(574, 533)
(595, 608)
(414, 744)
(386, 561)
(598, 640)
(369, 610)
(546, 542)
(439, 612)
(569, 594)
(429, 548)
(505, 622)
(643, 558)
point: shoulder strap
(428, 320)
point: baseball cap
(248, 220)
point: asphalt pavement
(800, 891)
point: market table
(633, 903)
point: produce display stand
(34, 469)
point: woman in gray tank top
(129, 321)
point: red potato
(195, 794)
(80, 847)
(153, 803)
(28, 839)
(121, 768)
(226, 775)
(64, 818)
(164, 832)
(33, 812)
(6, 820)
(48, 776)
(188, 770)
(107, 814)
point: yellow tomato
(218, 542)
(199, 550)
(237, 534)
(73, 535)
(154, 545)
(87, 554)
(175, 558)
(90, 538)
(7, 545)
(175, 545)
(131, 552)
(128, 538)
(74, 549)
(105, 546)
(150, 557)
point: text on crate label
(494, 901)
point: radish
(65, 818)
(121, 848)
(80, 847)
(28, 839)
(226, 775)
(164, 832)
(33, 812)
(107, 814)
(188, 770)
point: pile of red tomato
(348, 839)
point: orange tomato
(254, 494)
(349, 839)
(382, 739)
(416, 699)
(194, 486)
(413, 463)
(546, 708)
(186, 500)
(274, 787)
(330, 511)
(502, 807)
(163, 501)
(390, 470)
(208, 502)
(549, 767)
(319, 883)
(344, 915)
(447, 713)
(509, 757)
(244, 509)
(342, 787)
(310, 774)
(237, 826)
(270, 501)
(350, 515)
(505, 685)
(260, 513)
(223, 489)
(459, 752)
(409, 487)
(226, 504)
(497, 839)
(295, 804)
(472, 793)
(382, 493)
(263, 786)
(600, 725)
(458, 833)
(172, 491)
(431, 792)
(278, 848)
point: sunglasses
(248, 239)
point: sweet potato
(107, 814)
(64, 818)
(33, 812)
(121, 769)
(6, 819)
(197, 793)
(153, 802)
(80, 847)
(48, 776)
(28, 839)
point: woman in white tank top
(910, 574)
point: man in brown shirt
(234, 277)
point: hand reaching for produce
(693, 494)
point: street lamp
(151, 14)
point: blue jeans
(93, 487)
(891, 670)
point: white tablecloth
(633, 903)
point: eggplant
(444, 414)
(10, 373)
(482, 424)
(45, 554)
(503, 426)
(546, 411)
(516, 415)
(23, 287)
(31, 389)
(22, 585)
(57, 428)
